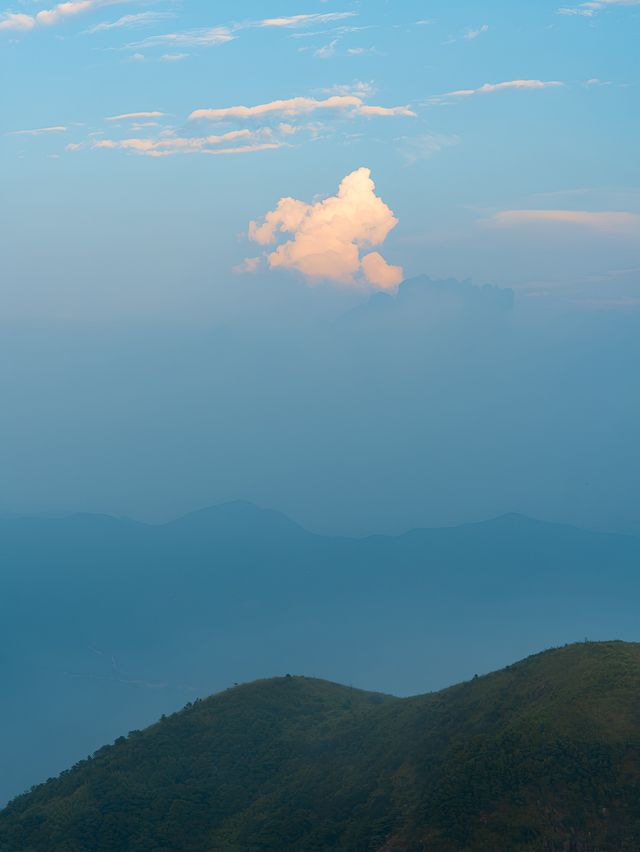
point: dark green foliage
(544, 755)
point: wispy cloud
(126, 116)
(472, 34)
(167, 143)
(351, 104)
(589, 9)
(426, 146)
(49, 17)
(39, 131)
(490, 88)
(212, 36)
(360, 88)
(607, 221)
(295, 21)
(131, 21)
(200, 37)
(173, 57)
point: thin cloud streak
(130, 22)
(125, 116)
(300, 106)
(39, 131)
(295, 21)
(589, 9)
(611, 221)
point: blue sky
(451, 167)
(200, 199)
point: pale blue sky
(502, 138)
(565, 140)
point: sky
(208, 211)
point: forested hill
(543, 755)
(106, 624)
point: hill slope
(118, 622)
(543, 755)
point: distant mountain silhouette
(106, 623)
(543, 755)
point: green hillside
(544, 755)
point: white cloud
(50, 17)
(300, 106)
(605, 221)
(589, 9)
(16, 21)
(327, 50)
(490, 88)
(472, 34)
(167, 144)
(248, 266)
(360, 88)
(39, 131)
(201, 37)
(329, 236)
(173, 57)
(126, 116)
(131, 21)
(295, 21)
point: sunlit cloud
(606, 221)
(330, 236)
(245, 149)
(589, 9)
(295, 21)
(126, 116)
(490, 88)
(49, 17)
(300, 106)
(39, 131)
(16, 21)
(167, 144)
(360, 88)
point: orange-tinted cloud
(610, 221)
(329, 236)
(300, 106)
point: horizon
(319, 347)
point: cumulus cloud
(608, 221)
(290, 107)
(330, 236)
